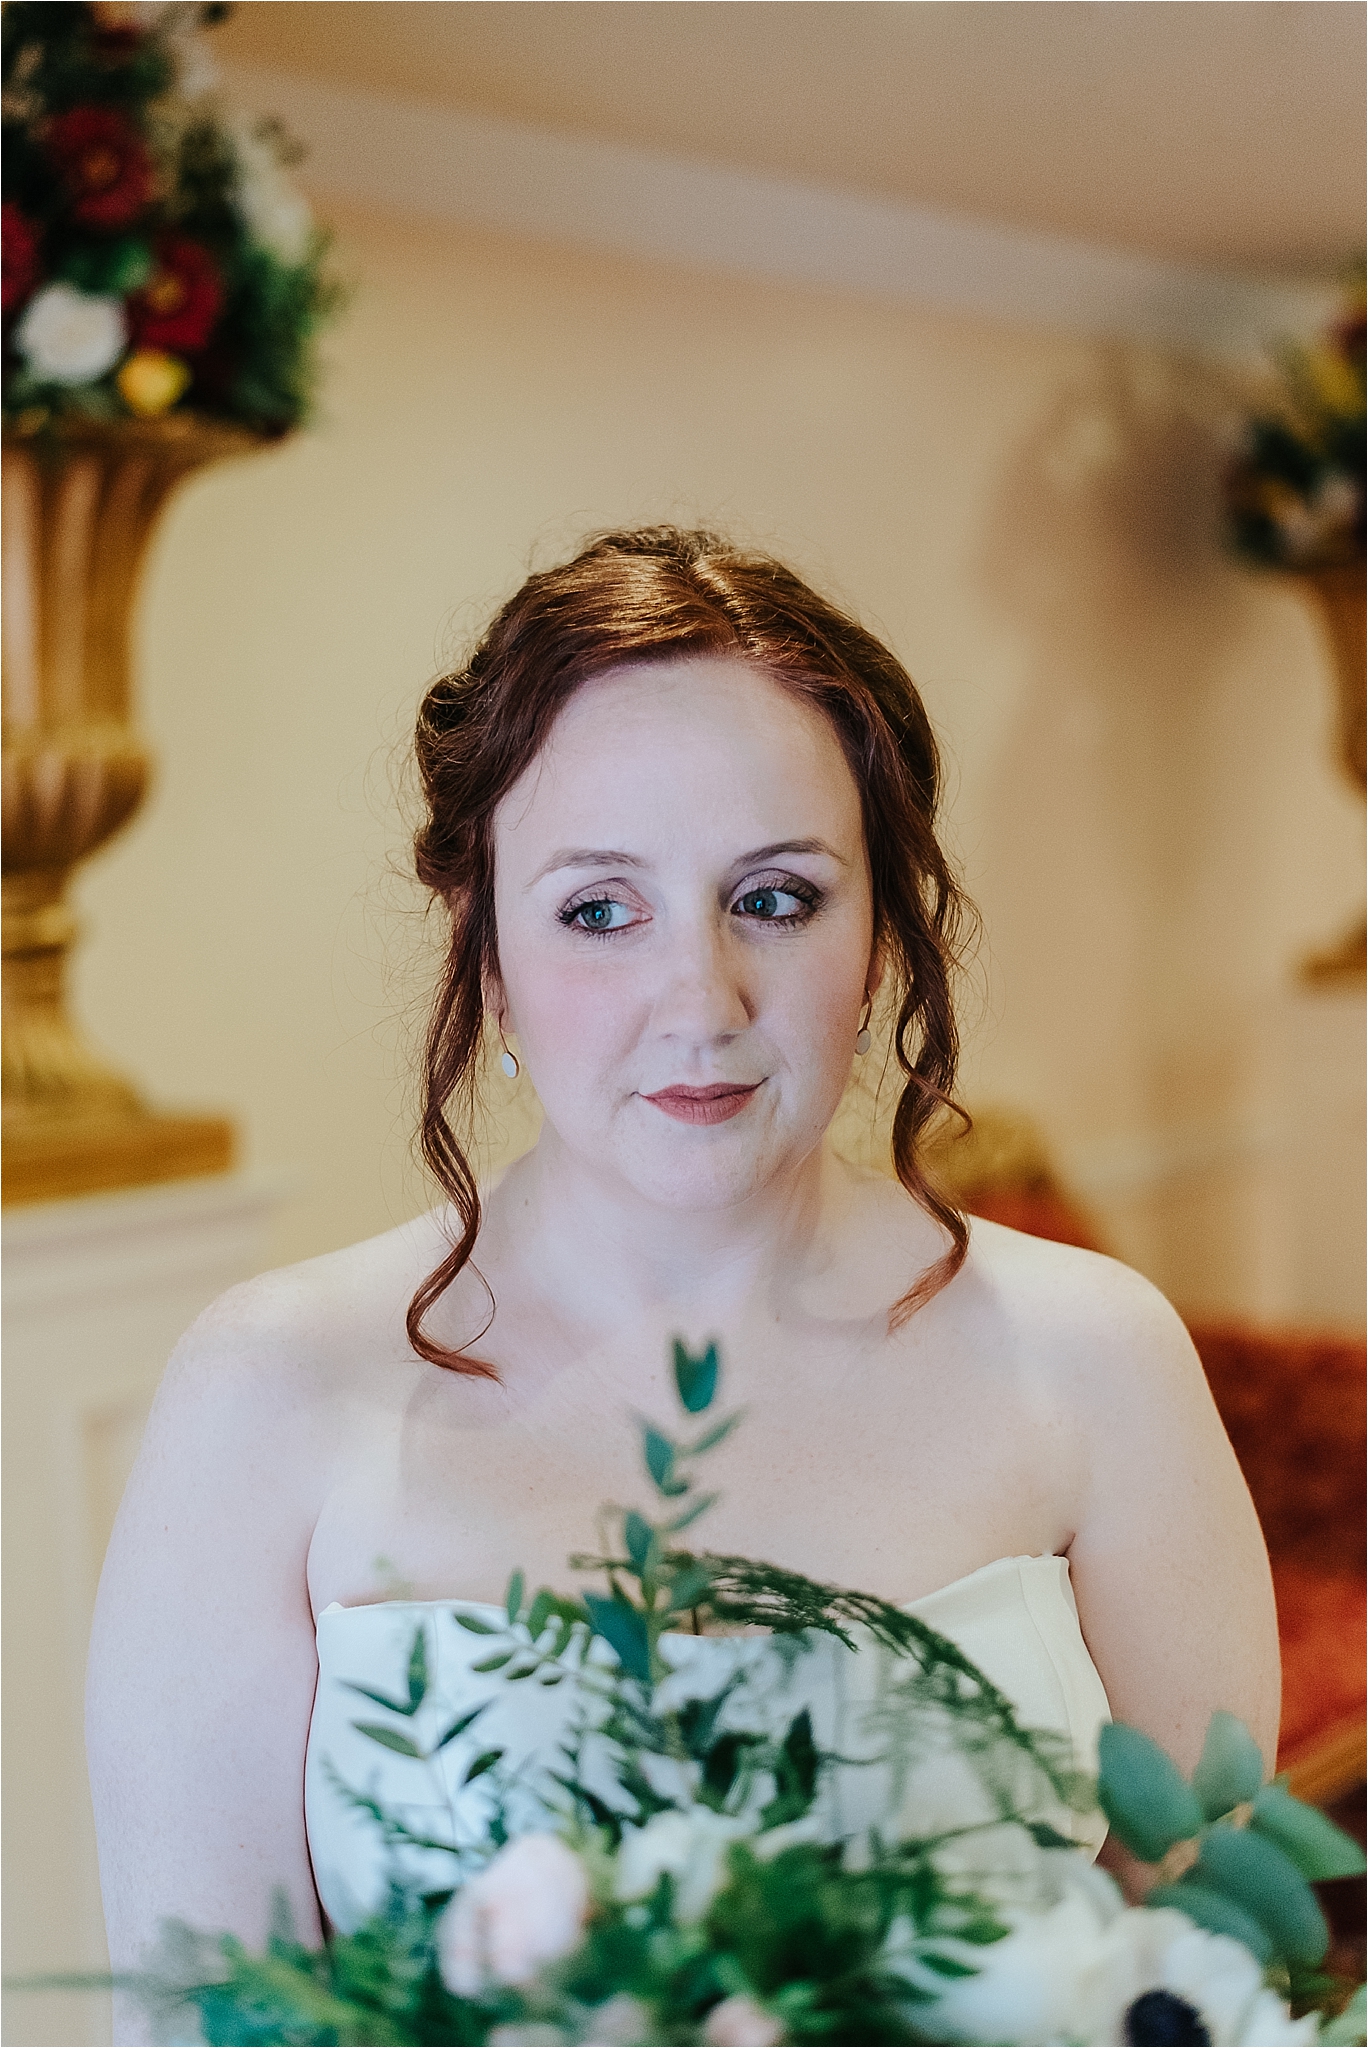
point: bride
(681, 812)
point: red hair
(651, 594)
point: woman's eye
(600, 915)
(778, 905)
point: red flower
(104, 163)
(18, 256)
(177, 307)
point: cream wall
(1141, 783)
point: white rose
(525, 1909)
(275, 212)
(71, 337)
(690, 1847)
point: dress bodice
(1015, 1618)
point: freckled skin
(683, 905)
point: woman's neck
(604, 1253)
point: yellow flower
(150, 382)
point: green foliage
(695, 1377)
(251, 358)
(1251, 1881)
(1214, 1911)
(1230, 1769)
(1254, 1875)
(838, 1942)
(1147, 1802)
(1315, 1845)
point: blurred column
(96, 1293)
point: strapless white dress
(1016, 1619)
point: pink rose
(741, 2023)
(525, 1909)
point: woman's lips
(713, 1105)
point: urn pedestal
(80, 505)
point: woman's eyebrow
(764, 853)
(614, 857)
(587, 857)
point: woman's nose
(702, 995)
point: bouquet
(672, 1872)
(1295, 494)
(156, 255)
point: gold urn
(80, 503)
(1338, 595)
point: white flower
(691, 1847)
(1269, 2024)
(1043, 1982)
(741, 2023)
(71, 337)
(275, 212)
(1073, 1971)
(525, 1909)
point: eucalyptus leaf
(484, 1762)
(458, 1727)
(1148, 1804)
(637, 1533)
(689, 1587)
(695, 1377)
(1318, 1848)
(514, 1601)
(691, 1513)
(380, 1699)
(1214, 1911)
(624, 1630)
(390, 1738)
(417, 1670)
(713, 1437)
(494, 1663)
(795, 1775)
(945, 1966)
(539, 1613)
(1255, 1874)
(475, 1625)
(1230, 1771)
(1046, 1837)
(660, 1455)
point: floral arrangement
(156, 256)
(1295, 494)
(682, 1882)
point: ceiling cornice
(486, 171)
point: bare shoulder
(1060, 1290)
(1098, 1330)
(296, 1342)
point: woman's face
(685, 928)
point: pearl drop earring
(863, 1039)
(509, 1062)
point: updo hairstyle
(654, 594)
